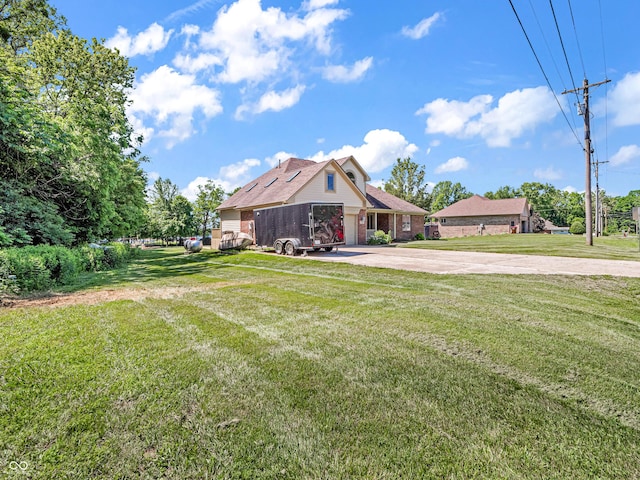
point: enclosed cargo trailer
(301, 227)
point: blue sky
(225, 89)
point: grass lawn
(609, 248)
(258, 366)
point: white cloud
(190, 64)
(257, 44)
(343, 74)
(380, 150)
(149, 41)
(451, 117)
(548, 173)
(279, 157)
(191, 192)
(238, 173)
(625, 155)
(624, 100)
(314, 4)
(515, 113)
(195, 7)
(421, 29)
(153, 176)
(170, 100)
(454, 164)
(272, 101)
(570, 189)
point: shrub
(379, 238)
(419, 236)
(577, 227)
(29, 268)
(42, 267)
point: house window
(294, 176)
(513, 224)
(270, 182)
(371, 221)
(406, 223)
(331, 182)
(351, 176)
(443, 220)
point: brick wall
(362, 228)
(246, 223)
(468, 226)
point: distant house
(366, 208)
(478, 215)
(553, 229)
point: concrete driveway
(446, 262)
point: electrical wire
(564, 51)
(575, 31)
(535, 15)
(544, 73)
(606, 92)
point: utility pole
(598, 201)
(587, 153)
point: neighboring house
(553, 229)
(366, 208)
(481, 216)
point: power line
(544, 37)
(575, 31)
(564, 51)
(544, 73)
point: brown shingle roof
(380, 199)
(476, 206)
(264, 190)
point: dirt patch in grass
(95, 297)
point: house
(478, 215)
(366, 208)
(552, 229)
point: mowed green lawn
(259, 366)
(608, 248)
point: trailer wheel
(328, 249)
(289, 249)
(278, 247)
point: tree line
(560, 207)
(70, 167)
(171, 215)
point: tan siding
(314, 191)
(349, 166)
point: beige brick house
(478, 215)
(366, 208)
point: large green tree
(407, 182)
(170, 214)
(502, 193)
(209, 197)
(447, 193)
(66, 146)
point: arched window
(351, 176)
